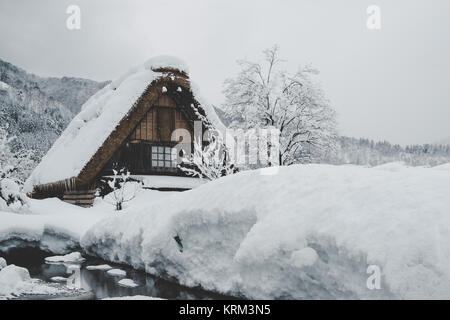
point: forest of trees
(371, 153)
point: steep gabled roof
(108, 117)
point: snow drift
(50, 225)
(308, 232)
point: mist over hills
(37, 109)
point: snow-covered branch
(118, 184)
(209, 162)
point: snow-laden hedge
(309, 231)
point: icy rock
(103, 267)
(129, 283)
(12, 276)
(74, 257)
(116, 273)
(58, 279)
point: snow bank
(2, 263)
(138, 297)
(51, 225)
(70, 153)
(311, 231)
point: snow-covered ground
(309, 231)
(133, 298)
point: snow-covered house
(130, 123)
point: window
(164, 157)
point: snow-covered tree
(120, 184)
(12, 167)
(210, 161)
(263, 95)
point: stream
(98, 283)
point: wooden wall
(160, 121)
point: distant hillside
(37, 109)
(372, 153)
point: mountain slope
(36, 109)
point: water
(99, 284)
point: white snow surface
(58, 279)
(129, 283)
(138, 297)
(102, 267)
(170, 182)
(98, 117)
(309, 231)
(50, 224)
(73, 257)
(16, 281)
(3, 86)
(2, 263)
(117, 272)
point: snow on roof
(89, 129)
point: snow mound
(11, 277)
(305, 257)
(74, 257)
(308, 232)
(102, 267)
(58, 279)
(128, 283)
(117, 273)
(16, 281)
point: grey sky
(389, 84)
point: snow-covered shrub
(11, 198)
(12, 167)
(209, 162)
(124, 189)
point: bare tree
(266, 96)
(118, 184)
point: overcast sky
(392, 83)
